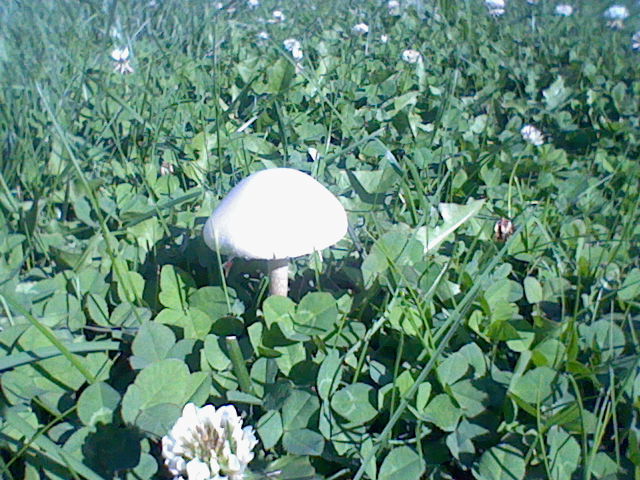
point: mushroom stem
(278, 276)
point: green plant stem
(239, 366)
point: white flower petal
(198, 470)
(120, 54)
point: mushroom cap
(275, 214)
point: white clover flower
(218, 5)
(262, 36)
(121, 58)
(635, 41)
(208, 444)
(120, 54)
(496, 7)
(393, 7)
(293, 46)
(360, 29)
(532, 135)
(411, 56)
(253, 3)
(493, 4)
(616, 12)
(564, 10)
(503, 229)
(384, 38)
(278, 16)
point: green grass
(419, 346)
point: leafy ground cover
(420, 346)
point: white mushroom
(276, 214)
